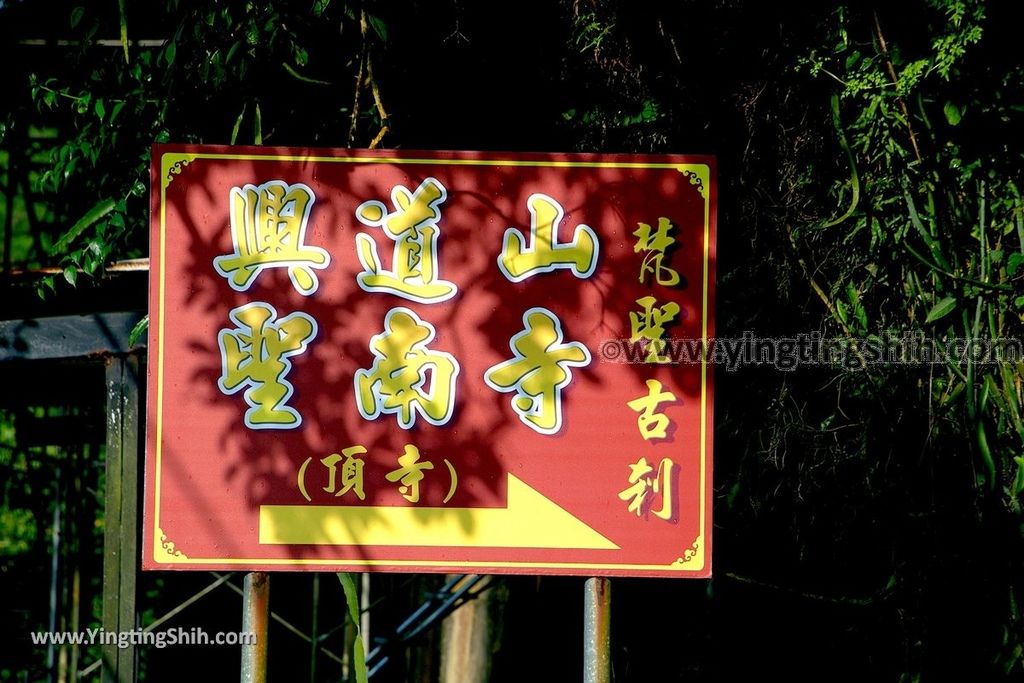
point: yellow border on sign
(692, 559)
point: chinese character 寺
(652, 424)
(643, 485)
(407, 378)
(351, 472)
(544, 254)
(413, 228)
(410, 473)
(268, 229)
(650, 323)
(255, 356)
(655, 247)
(539, 370)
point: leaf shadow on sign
(593, 310)
(260, 467)
(253, 468)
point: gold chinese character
(407, 378)
(539, 370)
(351, 472)
(268, 229)
(652, 425)
(544, 254)
(255, 356)
(410, 473)
(413, 228)
(656, 246)
(649, 323)
(643, 485)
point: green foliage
(352, 602)
(17, 530)
(234, 72)
(936, 240)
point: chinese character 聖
(649, 323)
(255, 356)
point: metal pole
(314, 631)
(120, 513)
(597, 613)
(255, 609)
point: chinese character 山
(519, 260)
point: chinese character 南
(407, 378)
(649, 323)
(519, 260)
(652, 424)
(643, 485)
(255, 356)
(410, 473)
(268, 229)
(539, 371)
(413, 228)
(655, 247)
(351, 472)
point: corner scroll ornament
(165, 551)
(172, 165)
(689, 555)
(699, 176)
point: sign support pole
(597, 613)
(255, 612)
(121, 514)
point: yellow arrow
(529, 521)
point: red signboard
(430, 361)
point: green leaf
(231, 51)
(1013, 263)
(352, 600)
(953, 113)
(941, 310)
(137, 331)
(238, 124)
(169, 53)
(100, 109)
(124, 28)
(95, 213)
(258, 127)
(348, 584)
(378, 26)
(320, 6)
(71, 275)
(295, 74)
(76, 16)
